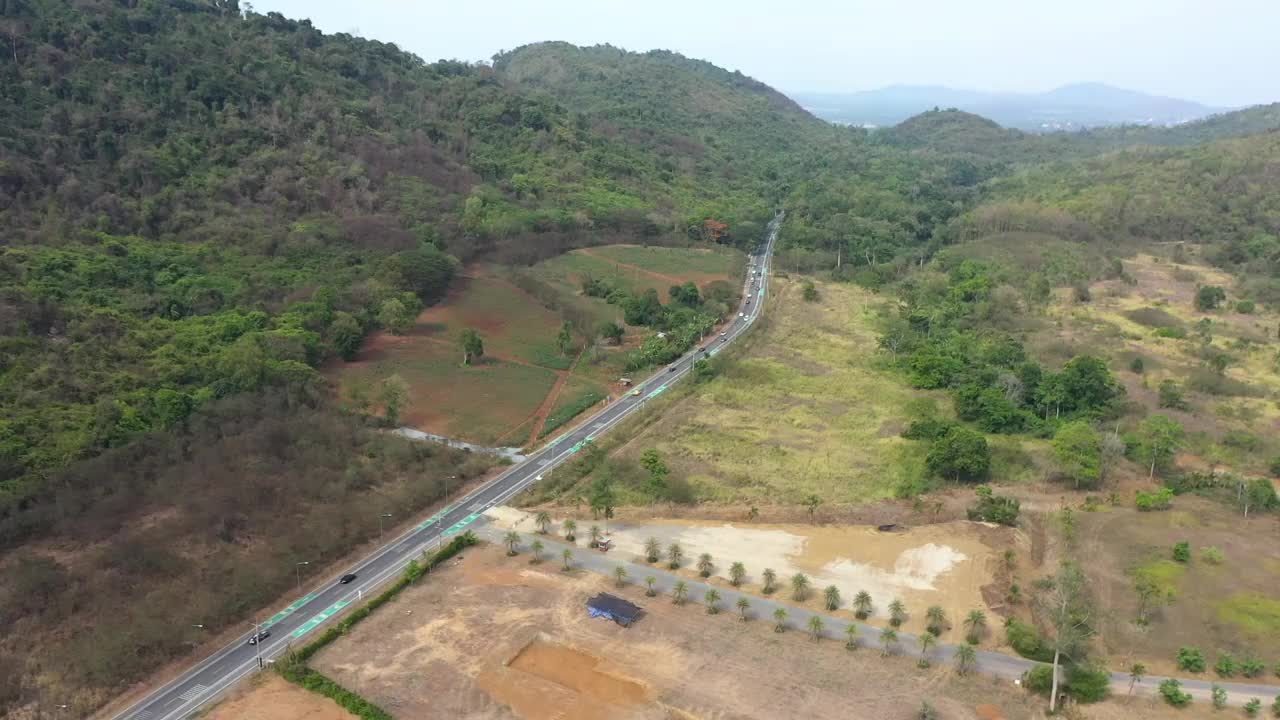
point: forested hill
(692, 113)
(197, 202)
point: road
(211, 677)
(1007, 667)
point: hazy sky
(1221, 52)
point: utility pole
(257, 643)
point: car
(723, 334)
(742, 314)
(636, 392)
(347, 579)
(255, 639)
(671, 368)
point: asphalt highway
(212, 676)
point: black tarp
(613, 608)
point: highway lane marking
(661, 389)
(193, 693)
(320, 617)
(289, 610)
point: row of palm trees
(965, 656)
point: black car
(255, 639)
(347, 578)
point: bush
(1209, 297)
(994, 508)
(1246, 307)
(1211, 555)
(1252, 707)
(1218, 696)
(1190, 659)
(1226, 664)
(1161, 499)
(1025, 640)
(1171, 396)
(1252, 668)
(1274, 467)
(933, 428)
(1137, 365)
(1176, 333)
(809, 292)
(1038, 679)
(1182, 551)
(1088, 683)
(1171, 691)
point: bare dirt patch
(273, 698)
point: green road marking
(461, 524)
(431, 520)
(661, 389)
(289, 610)
(321, 617)
(577, 447)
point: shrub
(1176, 333)
(1161, 499)
(1191, 659)
(1171, 396)
(1246, 307)
(1171, 691)
(1226, 664)
(932, 429)
(994, 508)
(1218, 696)
(1252, 668)
(1038, 679)
(1209, 297)
(1252, 707)
(1025, 640)
(1182, 551)
(1137, 365)
(809, 292)
(1088, 683)
(1241, 440)
(1211, 555)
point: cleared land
(496, 637)
(273, 698)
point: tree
(652, 549)
(862, 605)
(851, 635)
(564, 339)
(511, 540)
(472, 345)
(613, 331)
(812, 502)
(960, 454)
(809, 292)
(1137, 671)
(888, 641)
(593, 534)
(1077, 445)
(768, 580)
(543, 521)
(394, 394)
(744, 605)
(897, 613)
(346, 335)
(567, 556)
(603, 498)
(1209, 297)
(1171, 396)
(737, 571)
(816, 626)
(705, 566)
(679, 592)
(711, 598)
(1256, 494)
(831, 597)
(649, 590)
(395, 317)
(536, 548)
(1063, 603)
(966, 656)
(570, 529)
(658, 472)
(779, 620)
(927, 641)
(675, 554)
(1218, 696)
(975, 623)
(1160, 439)
(1085, 385)
(936, 620)
(620, 575)
(799, 587)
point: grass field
(637, 269)
(577, 396)
(805, 410)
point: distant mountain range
(1069, 107)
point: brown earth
(273, 698)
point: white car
(742, 314)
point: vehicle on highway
(742, 314)
(722, 334)
(346, 579)
(636, 392)
(671, 368)
(255, 639)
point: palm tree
(536, 547)
(897, 613)
(570, 527)
(511, 539)
(831, 597)
(737, 571)
(975, 622)
(648, 582)
(620, 576)
(965, 657)
(711, 597)
(926, 643)
(888, 641)
(936, 619)
(679, 592)
(769, 578)
(674, 554)
(816, 627)
(705, 565)
(652, 549)
(567, 556)
(851, 636)
(799, 587)
(862, 603)
(743, 606)
(543, 521)
(594, 533)
(780, 620)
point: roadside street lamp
(198, 626)
(257, 642)
(297, 571)
(381, 517)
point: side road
(1008, 667)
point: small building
(626, 382)
(612, 607)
